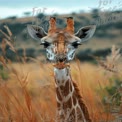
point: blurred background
(105, 14)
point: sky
(18, 7)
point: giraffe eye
(46, 44)
(75, 44)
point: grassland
(28, 94)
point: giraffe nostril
(61, 59)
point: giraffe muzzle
(61, 58)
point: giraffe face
(61, 44)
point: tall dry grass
(28, 94)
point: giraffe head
(60, 44)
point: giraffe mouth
(61, 65)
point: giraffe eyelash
(46, 44)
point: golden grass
(29, 93)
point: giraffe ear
(36, 32)
(85, 33)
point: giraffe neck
(71, 107)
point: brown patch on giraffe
(81, 103)
(67, 105)
(65, 89)
(58, 94)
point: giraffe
(60, 45)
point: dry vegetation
(28, 94)
(27, 91)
